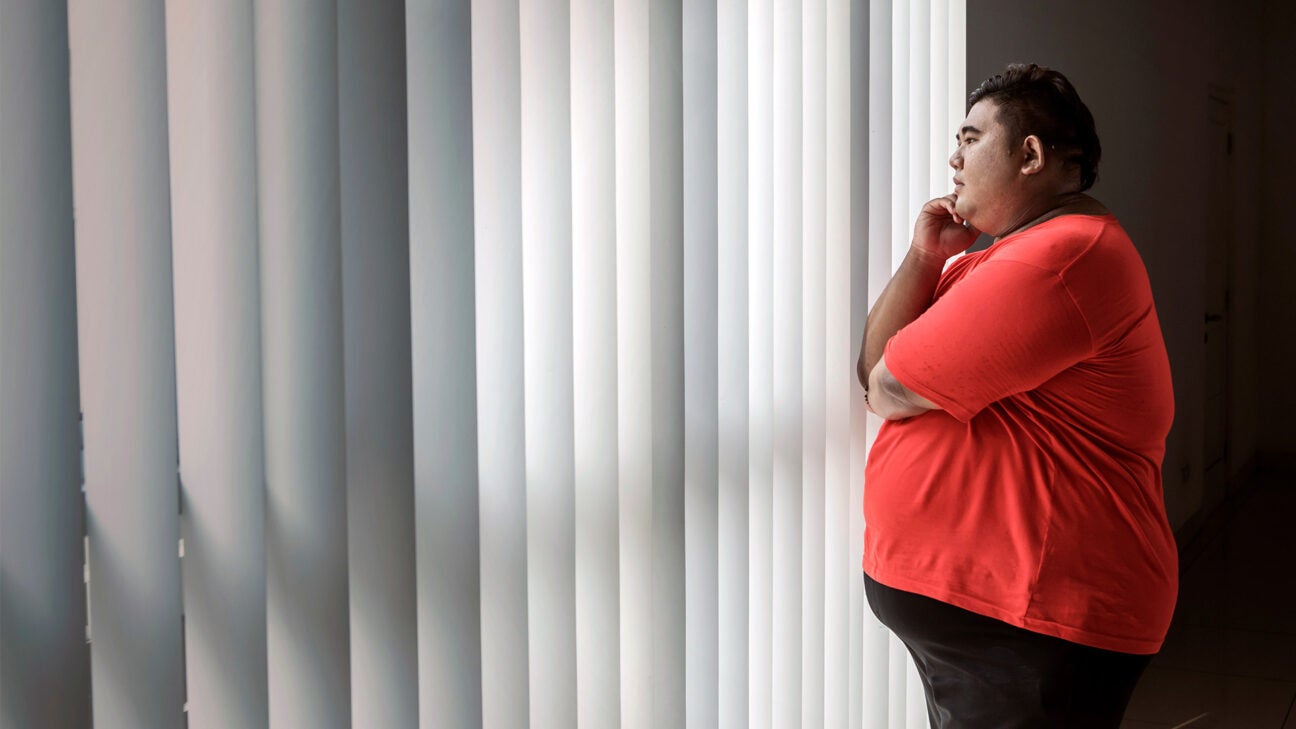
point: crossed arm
(907, 296)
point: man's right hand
(940, 232)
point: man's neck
(1051, 207)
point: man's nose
(956, 159)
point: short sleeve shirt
(1034, 494)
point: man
(1016, 535)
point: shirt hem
(979, 606)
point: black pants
(982, 673)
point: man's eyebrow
(965, 130)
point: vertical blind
(461, 364)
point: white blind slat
(445, 405)
(212, 124)
(939, 135)
(760, 289)
(901, 89)
(666, 233)
(701, 384)
(918, 118)
(635, 403)
(376, 338)
(547, 336)
(594, 339)
(732, 357)
(788, 308)
(43, 611)
(840, 562)
(307, 591)
(813, 350)
(501, 440)
(126, 360)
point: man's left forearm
(890, 399)
(905, 297)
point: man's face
(986, 171)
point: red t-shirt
(1034, 495)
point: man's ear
(1032, 155)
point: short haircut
(1036, 100)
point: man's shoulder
(1057, 245)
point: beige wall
(1146, 70)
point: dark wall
(1277, 333)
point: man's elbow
(888, 408)
(891, 400)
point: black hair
(1032, 99)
